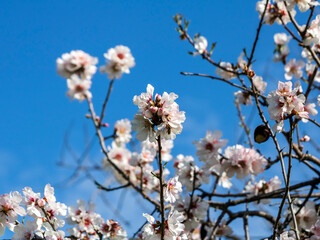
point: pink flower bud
(306, 138)
(153, 109)
(41, 202)
(158, 98)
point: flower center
(120, 56)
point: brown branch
(223, 80)
(262, 214)
(257, 34)
(222, 205)
(106, 101)
(110, 189)
(161, 189)
(244, 125)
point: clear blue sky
(36, 114)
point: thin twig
(162, 211)
(106, 101)
(243, 124)
(110, 189)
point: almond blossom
(53, 210)
(242, 162)
(261, 187)
(307, 215)
(78, 88)
(281, 39)
(310, 68)
(310, 108)
(190, 175)
(152, 147)
(242, 97)
(313, 33)
(259, 84)
(26, 232)
(112, 230)
(303, 5)
(209, 147)
(55, 235)
(223, 73)
(194, 212)
(315, 229)
(173, 227)
(285, 102)
(242, 63)
(9, 210)
(77, 62)
(294, 68)
(160, 116)
(120, 155)
(281, 52)
(274, 12)
(172, 190)
(119, 61)
(223, 230)
(122, 131)
(84, 219)
(288, 235)
(224, 180)
(201, 44)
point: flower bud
(261, 134)
(41, 202)
(306, 138)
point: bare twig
(162, 211)
(106, 101)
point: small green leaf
(212, 47)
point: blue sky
(36, 114)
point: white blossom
(259, 83)
(261, 187)
(284, 102)
(242, 97)
(201, 44)
(281, 39)
(119, 60)
(78, 88)
(223, 73)
(160, 116)
(122, 131)
(77, 62)
(194, 211)
(303, 5)
(9, 210)
(274, 12)
(242, 161)
(172, 190)
(25, 232)
(294, 68)
(209, 147)
(173, 227)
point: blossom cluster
(156, 125)
(159, 116)
(79, 67)
(286, 102)
(46, 217)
